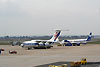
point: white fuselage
(78, 40)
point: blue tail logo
(89, 37)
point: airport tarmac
(35, 57)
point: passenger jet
(76, 42)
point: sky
(41, 17)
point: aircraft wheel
(78, 45)
(48, 47)
(35, 47)
(74, 45)
(29, 48)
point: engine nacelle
(41, 44)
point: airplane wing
(45, 41)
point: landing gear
(43, 47)
(76, 44)
(29, 48)
(47, 47)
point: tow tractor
(78, 63)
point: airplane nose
(22, 45)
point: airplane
(42, 43)
(76, 42)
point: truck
(78, 63)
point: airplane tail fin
(56, 35)
(89, 37)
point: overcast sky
(40, 17)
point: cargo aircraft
(42, 43)
(76, 42)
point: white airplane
(76, 42)
(42, 43)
